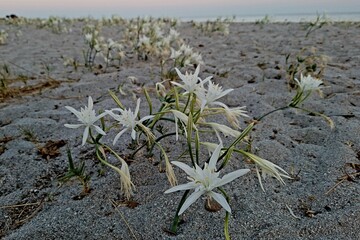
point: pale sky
(172, 8)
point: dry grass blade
(291, 212)
(347, 176)
(18, 214)
(123, 218)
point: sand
(251, 60)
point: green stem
(226, 222)
(275, 110)
(176, 219)
(156, 140)
(237, 140)
(197, 115)
(187, 102)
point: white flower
(191, 81)
(186, 49)
(213, 93)
(87, 117)
(173, 34)
(127, 118)
(144, 40)
(175, 54)
(114, 45)
(88, 37)
(203, 181)
(305, 87)
(308, 83)
(197, 59)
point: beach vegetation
(3, 36)
(77, 172)
(307, 62)
(318, 23)
(185, 106)
(5, 74)
(54, 24)
(265, 20)
(220, 25)
(189, 108)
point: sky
(172, 8)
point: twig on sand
(347, 177)
(20, 205)
(123, 218)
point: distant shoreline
(274, 17)
(283, 17)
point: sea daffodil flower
(309, 83)
(191, 81)
(213, 93)
(127, 118)
(87, 117)
(305, 87)
(205, 180)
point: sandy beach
(254, 59)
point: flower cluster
(185, 56)
(219, 25)
(128, 119)
(189, 107)
(55, 24)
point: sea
(297, 17)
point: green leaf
(116, 99)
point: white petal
(99, 130)
(119, 135)
(180, 115)
(190, 200)
(177, 84)
(207, 79)
(85, 135)
(221, 200)
(73, 125)
(220, 104)
(181, 187)
(225, 92)
(74, 111)
(179, 73)
(197, 70)
(115, 116)
(203, 104)
(145, 118)
(214, 157)
(231, 176)
(90, 103)
(137, 107)
(101, 115)
(188, 170)
(133, 134)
